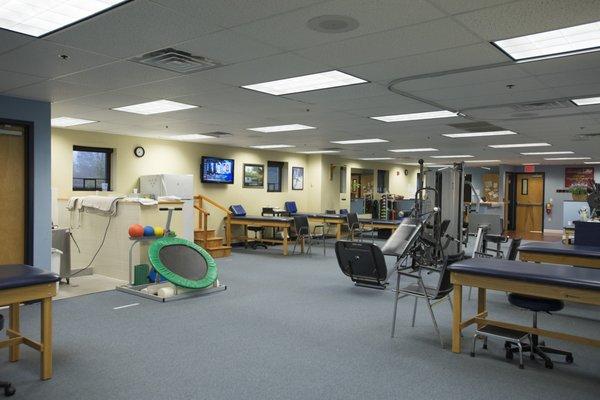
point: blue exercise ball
(148, 231)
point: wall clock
(139, 151)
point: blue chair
(9, 389)
(290, 207)
(343, 211)
(537, 304)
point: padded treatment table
(23, 283)
(389, 224)
(283, 223)
(559, 253)
(580, 285)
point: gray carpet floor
(287, 328)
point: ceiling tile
(290, 31)
(11, 80)
(174, 87)
(505, 75)
(52, 91)
(41, 58)
(118, 75)
(11, 40)
(420, 64)
(264, 69)
(234, 12)
(527, 17)
(134, 28)
(416, 39)
(459, 6)
(227, 47)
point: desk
(23, 283)
(283, 223)
(580, 285)
(559, 253)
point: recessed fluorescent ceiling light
(320, 152)
(68, 121)
(586, 101)
(375, 158)
(482, 161)
(272, 146)
(305, 83)
(37, 18)
(418, 150)
(556, 43)
(416, 116)
(545, 153)
(516, 145)
(282, 128)
(192, 136)
(454, 156)
(567, 158)
(531, 163)
(478, 134)
(360, 141)
(155, 107)
(591, 162)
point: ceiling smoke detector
(177, 61)
(332, 24)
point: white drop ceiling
(432, 54)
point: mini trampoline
(183, 263)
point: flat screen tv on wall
(217, 170)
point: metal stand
(136, 290)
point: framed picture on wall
(254, 175)
(297, 178)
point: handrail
(202, 210)
(214, 203)
(203, 221)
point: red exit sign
(529, 168)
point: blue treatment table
(580, 285)
(23, 283)
(559, 253)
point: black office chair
(9, 389)
(304, 235)
(256, 241)
(355, 227)
(537, 304)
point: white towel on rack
(105, 205)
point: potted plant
(579, 192)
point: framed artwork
(254, 175)
(579, 176)
(297, 178)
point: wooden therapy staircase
(217, 246)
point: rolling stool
(9, 389)
(537, 304)
(256, 242)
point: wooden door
(14, 199)
(530, 202)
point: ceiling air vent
(476, 127)
(583, 137)
(177, 61)
(217, 134)
(542, 105)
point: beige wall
(167, 156)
